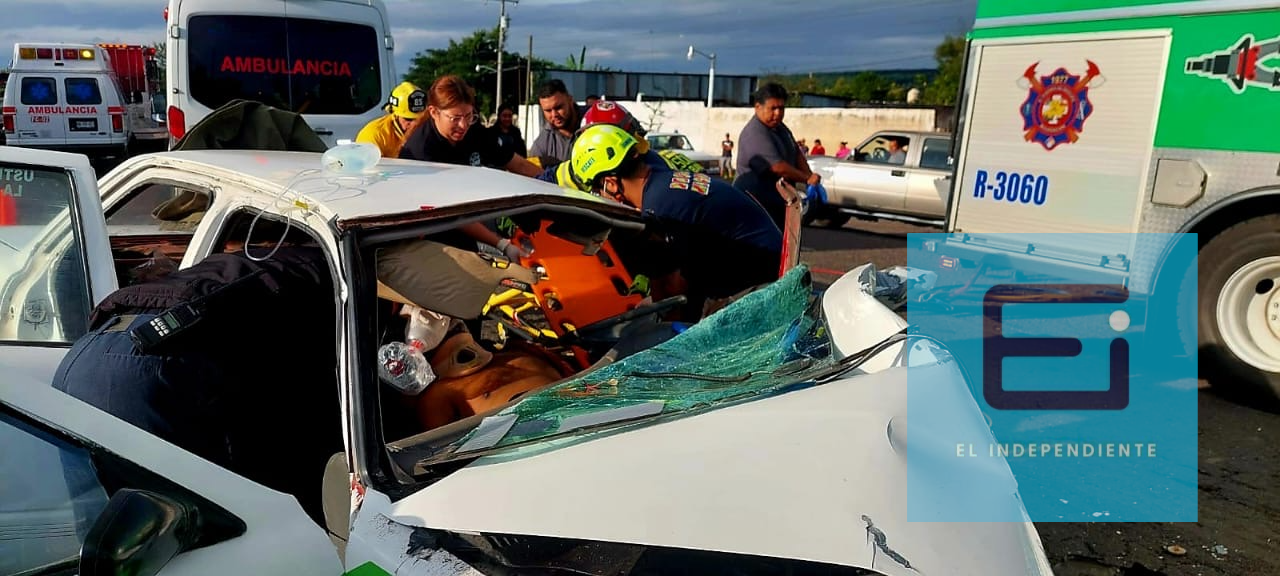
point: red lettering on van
(259, 65)
(40, 110)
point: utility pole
(502, 44)
(529, 91)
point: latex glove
(513, 251)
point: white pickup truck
(894, 174)
(676, 142)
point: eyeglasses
(463, 120)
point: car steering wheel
(610, 329)
(880, 155)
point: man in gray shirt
(767, 151)
(562, 118)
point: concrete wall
(706, 128)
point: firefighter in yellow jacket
(406, 104)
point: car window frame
(80, 241)
(134, 188)
(946, 144)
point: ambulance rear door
(90, 102)
(1057, 138)
(34, 100)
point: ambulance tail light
(177, 123)
(9, 116)
(117, 122)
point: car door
(929, 181)
(84, 488)
(55, 263)
(867, 181)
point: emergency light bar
(31, 53)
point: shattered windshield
(764, 344)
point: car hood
(823, 165)
(818, 474)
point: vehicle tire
(836, 219)
(825, 216)
(1239, 310)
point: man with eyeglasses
(449, 133)
(445, 133)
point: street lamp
(711, 81)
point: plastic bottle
(405, 367)
(352, 158)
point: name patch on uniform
(699, 183)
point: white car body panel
(280, 539)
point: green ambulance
(1132, 116)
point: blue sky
(748, 36)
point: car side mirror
(137, 534)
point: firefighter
(717, 242)
(606, 112)
(406, 104)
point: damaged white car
(563, 427)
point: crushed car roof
(394, 186)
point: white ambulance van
(329, 60)
(62, 97)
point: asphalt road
(1238, 532)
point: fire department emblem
(1250, 63)
(1057, 105)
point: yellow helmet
(599, 151)
(407, 101)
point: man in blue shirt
(719, 240)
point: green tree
(461, 58)
(950, 57)
(161, 62)
(868, 86)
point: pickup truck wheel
(824, 216)
(1239, 309)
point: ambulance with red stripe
(63, 97)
